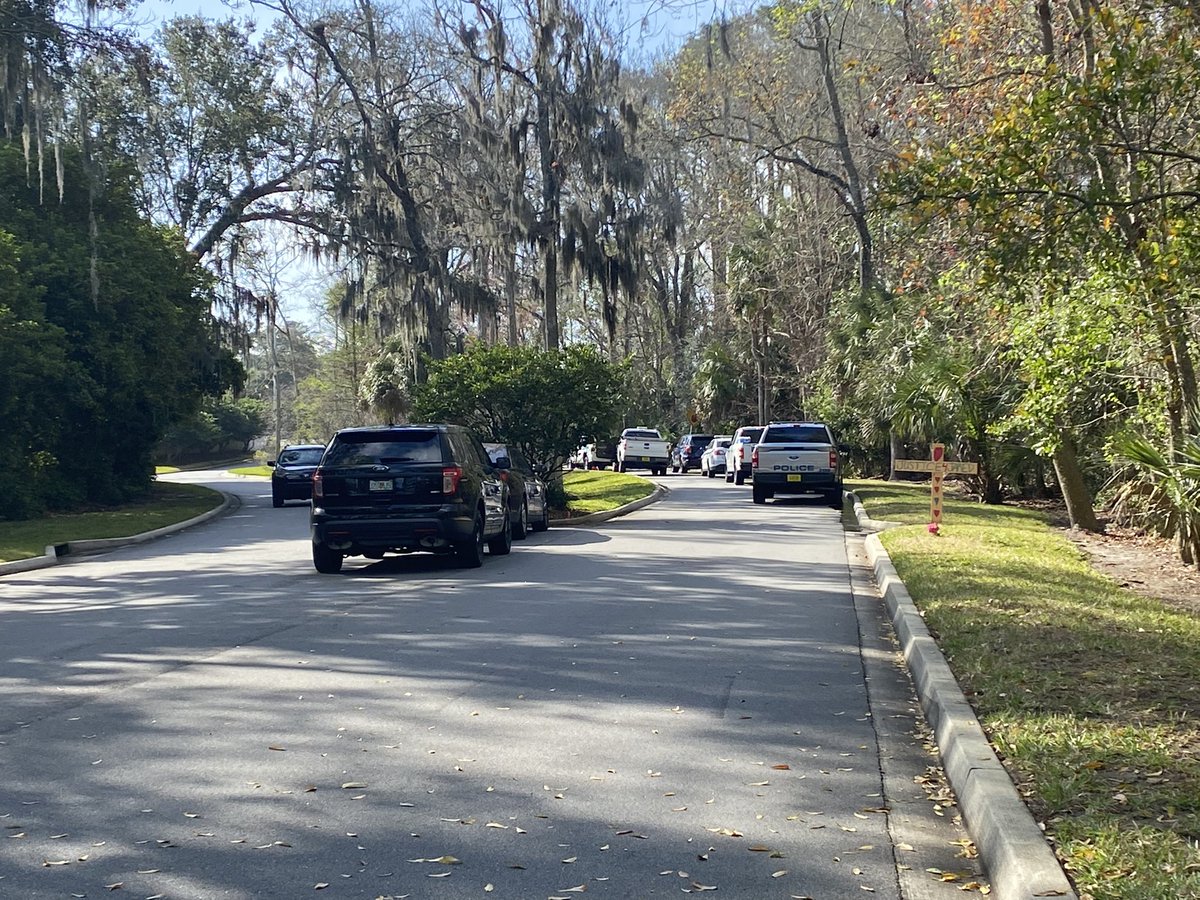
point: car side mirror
(271, 463)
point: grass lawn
(264, 471)
(1088, 692)
(167, 504)
(600, 491)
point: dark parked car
(527, 504)
(403, 488)
(291, 475)
(687, 452)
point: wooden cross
(939, 467)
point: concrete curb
(1014, 851)
(55, 552)
(596, 518)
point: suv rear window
(306, 457)
(796, 434)
(700, 440)
(374, 449)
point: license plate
(645, 459)
(380, 484)
(794, 478)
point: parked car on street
(737, 457)
(797, 458)
(403, 488)
(528, 508)
(597, 455)
(292, 472)
(687, 451)
(712, 460)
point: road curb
(596, 518)
(55, 552)
(1019, 862)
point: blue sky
(669, 22)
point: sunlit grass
(254, 471)
(1088, 691)
(600, 491)
(166, 505)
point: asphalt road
(696, 697)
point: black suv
(291, 474)
(402, 488)
(687, 452)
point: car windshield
(495, 451)
(797, 434)
(306, 457)
(368, 448)
(642, 435)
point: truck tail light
(833, 460)
(451, 476)
(318, 485)
(754, 458)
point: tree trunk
(895, 448)
(1075, 493)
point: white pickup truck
(797, 458)
(643, 448)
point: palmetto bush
(1164, 494)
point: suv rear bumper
(423, 529)
(809, 483)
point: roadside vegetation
(1088, 691)
(166, 505)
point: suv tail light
(754, 458)
(833, 460)
(451, 476)
(318, 485)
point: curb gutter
(55, 552)
(596, 518)
(1016, 856)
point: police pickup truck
(796, 458)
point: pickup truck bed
(797, 458)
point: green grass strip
(167, 504)
(1088, 691)
(600, 491)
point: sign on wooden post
(939, 467)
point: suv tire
(276, 498)
(836, 500)
(501, 544)
(325, 560)
(760, 495)
(738, 477)
(470, 551)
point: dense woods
(967, 222)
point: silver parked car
(528, 508)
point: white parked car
(712, 460)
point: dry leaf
(320, 885)
(438, 875)
(276, 747)
(354, 785)
(779, 874)
(56, 862)
(784, 767)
